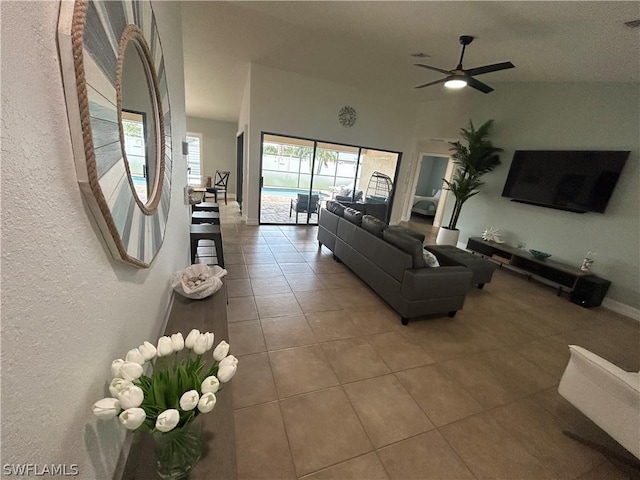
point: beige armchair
(606, 394)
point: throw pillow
(373, 225)
(430, 260)
(353, 216)
(336, 208)
(406, 243)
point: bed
(425, 205)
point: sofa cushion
(406, 243)
(353, 216)
(408, 231)
(430, 260)
(373, 225)
(335, 207)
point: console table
(218, 461)
(565, 277)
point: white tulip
(201, 344)
(221, 351)
(106, 408)
(168, 420)
(177, 342)
(189, 400)
(210, 337)
(131, 397)
(165, 347)
(210, 385)
(116, 365)
(134, 355)
(191, 338)
(132, 418)
(148, 351)
(226, 372)
(131, 371)
(229, 360)
(117, 384)
(207, 402)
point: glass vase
(178, 450)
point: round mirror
(137, 113)
(120, 121)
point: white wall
(218, 147)
(292, 104)
(572, 117)
(68, 308)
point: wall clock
(119, 117)
(347, 116)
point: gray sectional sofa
(390, 261)
(482, 269)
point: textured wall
(68, 308)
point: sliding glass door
(300, 175)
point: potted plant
(473, 160)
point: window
(194, 160)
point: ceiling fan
(460, 77)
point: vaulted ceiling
(368, 44)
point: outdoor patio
(276, 209)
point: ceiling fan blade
(489, 68)
(442, 80)
(435, 69)
(478, 85)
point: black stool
(205, 207)
(205, 217)
(206, 232)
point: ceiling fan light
(455, 83)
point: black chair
(220, 182)
(303, 205)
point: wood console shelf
(219, 458)
(564, 277)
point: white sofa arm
(606, 394)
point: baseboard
(128, 439)
(622, 309)
(252, 221)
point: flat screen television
(573, 180)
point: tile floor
(332, 386)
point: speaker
(590, 291)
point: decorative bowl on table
(539, 255)
(198, 281)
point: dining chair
(220, 182)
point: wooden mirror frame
(92, 37)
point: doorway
(298, 177)
(427, 202)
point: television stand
(564, 277)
